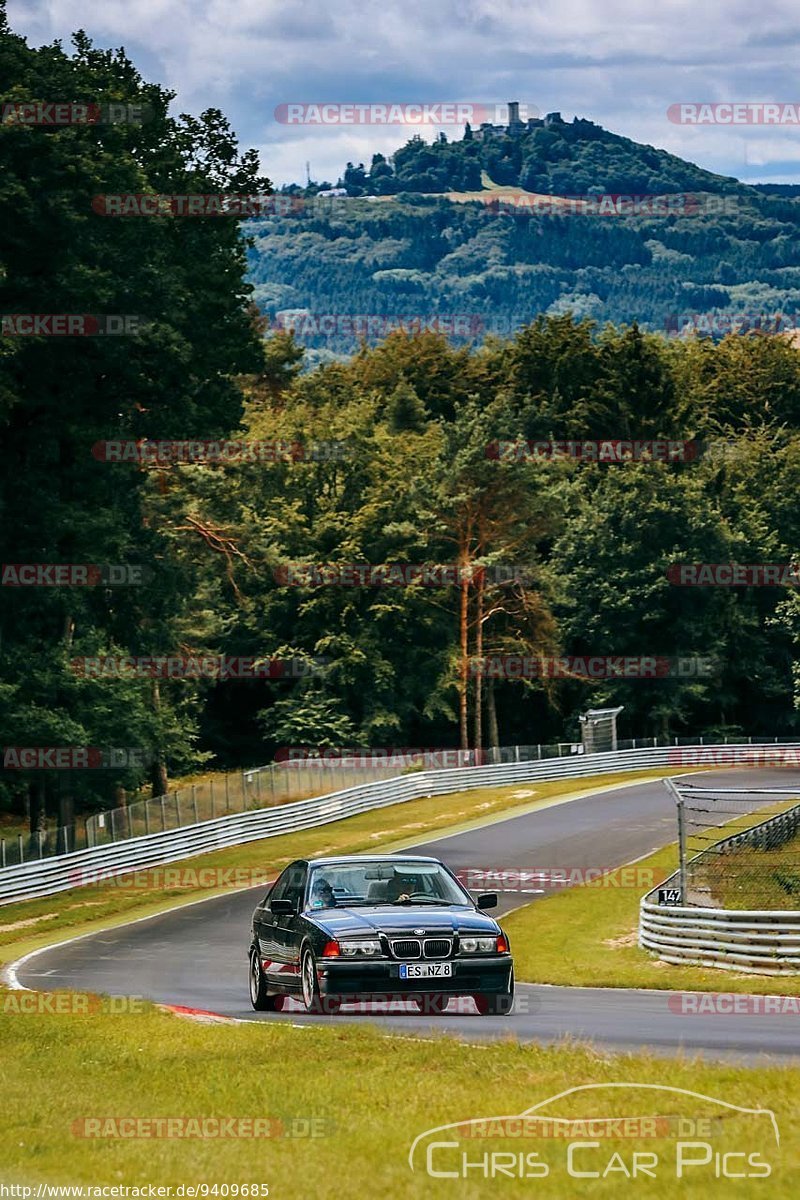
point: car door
(287, 926)
(264, 926)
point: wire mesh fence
(739, 847)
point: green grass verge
(747, 877)
(29, 924)
(371, 1095)
(586, 936)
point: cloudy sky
(621, 63)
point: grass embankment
(29, 924)
(587, 935)
(371, 1096)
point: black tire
(496, 1004)
(313, 1001)
(260, 998)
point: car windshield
(334, 885)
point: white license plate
(426, 970)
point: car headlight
(478, 945)
(369, 947)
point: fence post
(111, 825)
(147, 816)
(682, 849)
(163, 814)
(194, 803)
(21, 848)
(244, 792)
(2, 852)
(227, 794)
(178, 808)
(41, 843)
(213, 800)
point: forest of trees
(727, 251)
(406, 473)
(428, 257)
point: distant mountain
(480, 235)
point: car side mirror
(487, 900)
(280, 907)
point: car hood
(395, 919)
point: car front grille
(437, 947)
(407, 948)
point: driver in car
(322, 895)
(399, 889)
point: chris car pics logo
(630, 1132)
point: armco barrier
(751, 941)
(57, 874)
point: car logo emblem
(419, 932)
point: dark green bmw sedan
(377, 927)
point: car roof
(364, 858)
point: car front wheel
(313, 1001)
(496, 1004)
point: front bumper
(484, 974)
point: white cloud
(620, 63)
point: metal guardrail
(59, 873)
(282, 782)
(241, 790)
(751, 941)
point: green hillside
(407, 242)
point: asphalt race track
(196, 956)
